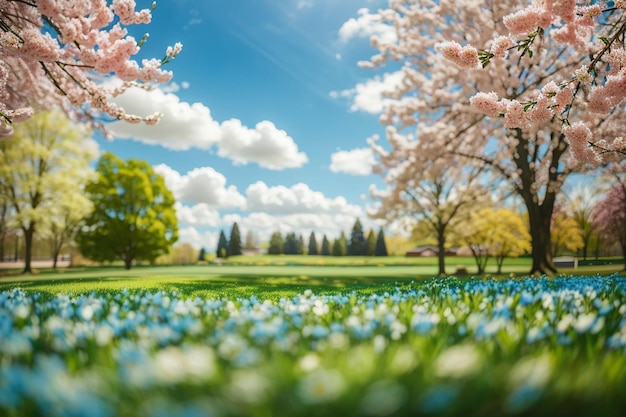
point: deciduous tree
(435, 191)
(276, 244)
(340, 246)
(610, 215)
(134, 216)
(566, 234)
(44, 163)
(57, 53)
(507, 116)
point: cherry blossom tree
(506, 116)
(610, 215)
(56, 53)
(590, 33)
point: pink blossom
(523, 21)
(578, 135)
(598, 101)
(486, 103)
(464, 57)
(564, 97)
(501, 45)
(515, 117)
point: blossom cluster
(52, 49)
(591, 31)
(444, 346)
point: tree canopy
(134, 217)
(43, 168)
(57, 53)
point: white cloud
(370, 96)
(366, 26)
(185, 126)
(201, 185)
(206, 239)
(357, 161)
(266, 145)
(182, 127)
(296, 199)
(197, 215)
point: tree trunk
(28, 248)
(128, 261)
(541, 240)
(441, 252)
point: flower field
(441, 347)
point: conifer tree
(313, 245)
(325, 247)
(291, 244)
(234, 245)
(381, 246)
(301, 245)
(202, 254)
(370, 247)
(222, 246)
(356, 246)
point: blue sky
(267, 115)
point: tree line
(358, 244)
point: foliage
(57, 54)
(43, 168)
(566, 233)
(340, 246)
(291, 244)
(276, 244)
(517, 131)
(580, 204)
(381, 245)
(357, 243)
(610, 215)
(202, 255)
(370, 244)
(588, 40)
(313, 250)
(134, 217)
(222, 246)
(462, 346)
(497, 233)
(325, 246)
(437, 192)
(234, 243)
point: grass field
(268, 338)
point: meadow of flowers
(440, 347)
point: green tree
(201, 255)
(134, 217)
(301, 245)
(65, 220)
(234, 244)
(370, 246)
(291, 244)
(340, 246)
(222, 246)
(381, 246)
(313, 245)
(325, 247)
(276, 244)
(356, 247)
(45, 161)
